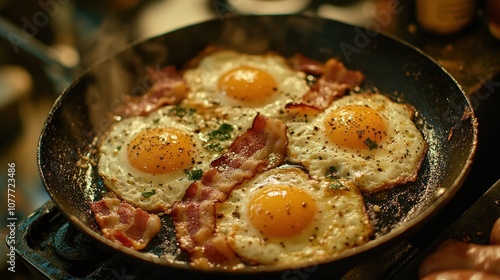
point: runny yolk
(161, 150)
(248, 84)
(280, 211)
(355, 126)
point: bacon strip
(495, 233)
(334, 82)
(168, 88)
(460, 274)
(260, 148)
(194, 222)
(307, 65)
(461, 260)
(124, 224)
(461, 255)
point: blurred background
(45, 44)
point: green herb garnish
(149, 194)
(336, 185)
(194, 174)
(118, 148)
(372, 145)
(155, 121)
(222, 133)
(214, 147)
(180, 112)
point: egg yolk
(248, 84)
(161, 150)
(355, 126)
(280, 211)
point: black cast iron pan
(67, 146)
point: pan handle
(61, 72)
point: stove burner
(47, 242)
(73, 245)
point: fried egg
(236, 86)
(150, 161)
(364, 138)
(284, 218)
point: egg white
(203, 83)
(340, 221)
(151, 192)
(396, 160)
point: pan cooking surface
(67, 148)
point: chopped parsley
(118, 148)
(194, 174)
(149, 194)
(336, 185)
(214, 147)
(371, 144)
(155, 121)
(180, 112)
(222, 133)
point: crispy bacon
(124, 224)
(460, 260)
(168, 88)
(460, 274)
(495, 233)
(194, 222)
(260, 148)
(462, 255)
(307, 65)
(334, 82)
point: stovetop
(53, 249)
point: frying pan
(67, 147)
